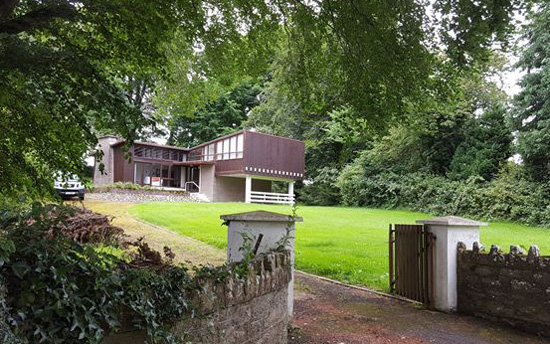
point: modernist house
(239, 167)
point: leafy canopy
(71, 69)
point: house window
(226, 149)
(219, 150)
(138, 151)
(239, 146)
(230, 148)
(208, 152)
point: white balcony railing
(271, 197)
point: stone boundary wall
(253, 310)
(512, 288)
(138, 195)
(112, 189)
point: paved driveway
(326, 313)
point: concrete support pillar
(291, 190)
(267, 231)
(248, 190)
(448, 232)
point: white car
(69, 188)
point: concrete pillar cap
(261, 216)
(452, 221)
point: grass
(186, 248)
(347, 244)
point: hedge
(508, 197)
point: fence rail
(271, 197)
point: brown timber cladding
(123, 170)
(274, 153)
(410, 262)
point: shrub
(323, 189)
(58, 290)
(127, 185)
(508, 197)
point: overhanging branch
(38, 18)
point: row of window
(159, 153)
(229, 148)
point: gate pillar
(266, 231)
(448, 232)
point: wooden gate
(411, 262)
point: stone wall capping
(517, 250)
(533, 253)
(452, 221)
(261, 216)
(495, 250)
(477, 247)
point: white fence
(271, 197)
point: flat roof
(240, 132)
(151, 144)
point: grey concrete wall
(107, 176)
(208, 181)
(228, 189)
(251, 310)
(510, 288)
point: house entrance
(192, 178)
(411, 262)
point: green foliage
(323, 189)
(507, 197)
(62, 72)
(223, 116)
(531, 115)
(70, 70)
(469, 28)
(158, 297)
(58, 291)
(127, 185)
(485, 148)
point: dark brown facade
(273, 156)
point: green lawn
(347, 244)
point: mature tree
(457, 128)
(531, 115)
(486, 147)
(223, 116)
(70, 69)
